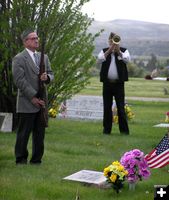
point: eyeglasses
(33, 38)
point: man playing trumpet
(113, 74)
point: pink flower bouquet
(136, 165)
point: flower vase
(132, 186)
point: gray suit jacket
(25, 75)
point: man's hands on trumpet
(113, 48)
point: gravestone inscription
(85, 107)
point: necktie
(36, 58)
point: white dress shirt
(31, 53)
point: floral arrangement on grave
(115, 174)
(130, 115)
(136, 165)
(54, 110)
(57, 109)
(167, 117)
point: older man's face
(32, 41)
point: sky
(156, 11)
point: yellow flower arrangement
(54, 110)
(130, 115)
(57, 109)
(115, 174)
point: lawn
(138, 87)
(71, 146)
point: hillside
(141, 38)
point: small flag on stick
(159, 157)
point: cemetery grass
(138, 87)
(71, 146)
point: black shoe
(106, 132)
(124, 133)
(35, 163)
(22, 162)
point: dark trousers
(115, 90)
(29, 122)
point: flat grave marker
(89, 177)
(162, 125)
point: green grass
(71, 146)
(138, 87)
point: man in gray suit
(26, 77)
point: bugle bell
(116, 39)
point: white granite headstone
(88, 176)
(160, 78)
(85, 107)
(6, 122)
(162, 125)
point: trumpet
(116, 39)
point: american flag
(159, 157)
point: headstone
(89, 177)
(85, 107)
(162, 125)
(160, 79)
(5, 122)
(1, 120)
